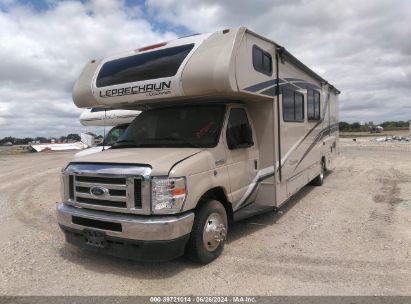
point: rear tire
(318, 181)
(208, 234)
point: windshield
(182, 126)
(113, 135)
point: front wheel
(318, 181)
(209, 233)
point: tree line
(40, 139)
(357, 127)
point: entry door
(242, 160)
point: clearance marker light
(153, 46)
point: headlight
(168, 194)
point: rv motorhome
(119, 120)
(232, 125)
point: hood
(90, 151)
(161, 160)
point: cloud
(362, 47)
(43, 51)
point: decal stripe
(262, 174)
(262, 85)
(299, 83)
(269, 171)
(317, 139)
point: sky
(361, 47)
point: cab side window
(239, 133)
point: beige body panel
(216, 75)
(202, 174)
(82, 91)
(160, 160)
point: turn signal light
(178, 191)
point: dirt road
(352, 236)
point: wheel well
(219, 195)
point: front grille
(71, 187)
(101, 180)
(83, 189)
(137, 193)
(115, 192)
(98, 202)
(118, 194)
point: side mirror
(240, 137)
(231, 138)
(247, 135)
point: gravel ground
(352, 236)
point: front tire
(209, 233)
(318, 181)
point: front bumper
(146, 251)
(148, 237)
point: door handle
(255, 164)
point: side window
(293, 105)
(288, 104)
(149, 65)
(262, 61)
(239, 133)
(317, 103)
(310, 105)
(114, 134)
(93, 110)
(313, 105)
(298, 106)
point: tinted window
(150, 65)
(182, 126)
(262, 61)
(258, 59)
(298, 107)
(313, 105)
(317, 114)
(93, 110)
(114, 134)
(239, 134)
(310, 105)
(288, 104)
(293, 105)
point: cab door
(242, 156)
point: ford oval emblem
(98, 191)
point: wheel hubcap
(214, 232)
